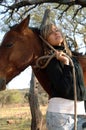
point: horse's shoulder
(77, 53)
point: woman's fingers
(59, 53)
(62, 57)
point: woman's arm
(61, 77)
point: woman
(60, 112)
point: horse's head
(20, 48)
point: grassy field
(16, 118)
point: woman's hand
(60, 55)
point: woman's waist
(62, 105)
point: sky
(21, 81)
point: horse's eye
(9, 45)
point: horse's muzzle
(2, 84)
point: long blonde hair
(45, 32)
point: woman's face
(55, 37)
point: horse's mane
(35, 29)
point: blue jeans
(57, 121)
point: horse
(21, 47)
(82, 61)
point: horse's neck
(43, 79)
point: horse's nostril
(2, 84)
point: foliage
(11, 97)
(42, 96)
(70, 15)
(20, 97)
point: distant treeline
(20, 96)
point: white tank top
(62, 105)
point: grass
(20, 118)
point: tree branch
(32, 2)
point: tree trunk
(34, 105)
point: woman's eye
(54, 31)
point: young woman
(60, 112)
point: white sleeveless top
(62, 105)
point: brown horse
(82, 60)
(20, 48)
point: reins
(49, 57)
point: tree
(34, 105)
(69, 14)
(9, 97)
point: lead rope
(74, 78)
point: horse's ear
(24, 24)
